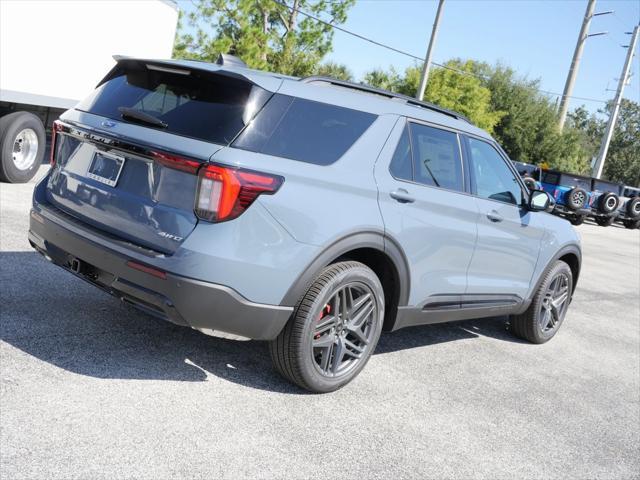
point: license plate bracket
(106, 168)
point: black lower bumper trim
(179, 299)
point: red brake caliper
(325, 311)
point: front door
(509, 236)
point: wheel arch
(572, 256)
(380, 253)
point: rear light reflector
(175, 162)
(225, 193)
(55, 128)
(146, 269)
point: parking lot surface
(93, 389)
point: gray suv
(311, 213)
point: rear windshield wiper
(140, 116)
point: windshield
(202, 105)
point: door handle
(402, 196)
(494, 216)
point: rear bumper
(176, 298)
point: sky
(535, 37)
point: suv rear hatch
(126, 161)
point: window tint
(199, 105)
(304, 130)
(492, 178)
(401, 167)
(569, 180)
(436, 157)
(551, 178)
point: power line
(415, 57)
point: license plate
(105, 168)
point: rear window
(571, 181)
(604, 186)
(551, 178)
(304, 130)
(202, 105)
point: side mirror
(540, 201)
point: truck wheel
(608, 202)
(22, 144)
(633, 207)
(334, 329)
(576, 198)
(604, 221)
(541, 321)
(576, 219)
(631, 224)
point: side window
(401, 167)
(304, 130)
(491, 177)
(436, 157)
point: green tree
(453, 87)
(528, 130)
(385, 79)
(334, 70)
(623, 158)
(266, 34)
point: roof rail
(385, 93)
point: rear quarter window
(304, 130)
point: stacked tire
(632, 209)
(576, 199)
(607, 206)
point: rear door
(420, 178)
(509, 236)
(126, 158)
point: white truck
(54, 52)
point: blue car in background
(604, 201)
(571, 192)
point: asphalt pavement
(91, 389)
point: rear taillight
(224, 193)
(175, 162)
(55, 128)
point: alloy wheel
(554, 303)
(345, 329)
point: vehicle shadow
(59, 319)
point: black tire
(529, 325)
(633, 207)
(631, 224)
(530, 183)
(604, 221)
(577, 198)
(576, 219)
(293, 353)
(608, 203)
(10, 127)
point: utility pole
(575, 62)
(604, 147)
(427, 61)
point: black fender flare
(572, 248)
(370, 239)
